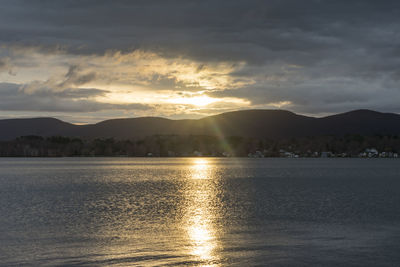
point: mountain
(247, 123)
(12, 128)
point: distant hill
(247, 123)
(12, 128)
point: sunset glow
(199, 101)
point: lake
(199, 212)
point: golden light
(280, 104)
(199, 101)
(200, 169)
(202, 236)
(200, 228)
(200, 163)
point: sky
(86, 61)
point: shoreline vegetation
(347, 146)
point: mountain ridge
(257, 123)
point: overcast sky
(86, 61)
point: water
(199, 211)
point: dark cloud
(309, 98)
(69, 100)
(74, 78)
(202, 29)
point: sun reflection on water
(200, 169)
(199, 219)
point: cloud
(318, 96)
(5, 66)
(137, 68)
(69, 100)
(312, 56)
(73, 78)
(253, 31)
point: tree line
(195, 145)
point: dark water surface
(199, 211)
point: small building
(372, 152)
